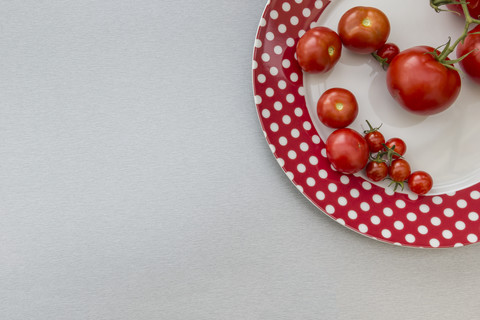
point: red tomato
(376, 171)
(337, 108)
(421, 84)
(471, 64)
(347, 150)
(420, 182)
(318, 50)
(387, 52)
(364, 29)
(472, 5)
(375, 141)
(397, 145)
(399, 170)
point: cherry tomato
(375, 138)
(318, 50)
(421, 84)
(420, 182)
(399, 170)
(347, 150)
(337, 108)
(472, 5)
(387, 52)
(397, 145)
(471, 64)
(364, 29)
(376, 171)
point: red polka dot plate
(286, 98)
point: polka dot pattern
(447, 220)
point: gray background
(136, 182)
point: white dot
(286, 119)
(352, 215)
(354, 193)
(254, 64)
(270, 36)
(310, 181)
(387, 211)
(304, 146)
(344, 179)
(258, 43)
(283, 141)
(263, 22)
(301, 168)
(301, 33)
(286, 63)
(462, 203)
(330, 209)
(475, 195)
(389, 191)
(294, 20)
(364, 206)
(292, 154)
(437, 200)
(265, 57)
(320, 195)
(301, 91)
(269, 92)
(273, 71)
(278, 105)
(282, 28)
(447, 234)
(332, 187)
(410, 238)
(290, 42)
(400, 204)
(306, 12)
(460, 225)
(386, 233)
(451, 193)
(422, 230)
(323, 174)
(398, 225)
(261, 78)
(366, 185)
(448, 212)
(281, 162)
(298, 1)
(319, 4)
(290, 175)
(377, 198)
(362, 228)
(342, 201)
(299, 187)
(434, 243)
(413, 196)
(456, 245)
(424, 208)
(295, 133)
(473, 216)
(375, 220)
(290, 98)
(472, 238)
(313, 160)
(294, 77)
(316, 139)
(272, 147)
(286, 6)
(274, 14)
(266, 113)
(307, 125)
(298, 112)
(274, 127)
(341, 221)
(282, 84)
(436, 221)
(411, 216)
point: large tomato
(364, 29)
(337, 108)
(420, 84)
(347, 150)
(471, 64)
(318, 50)
(472, 5)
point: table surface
(137, 183)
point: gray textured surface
(136, 182)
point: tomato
(397, 145)
(374, 138)
(472, 5)
(420, 182)
(376, 171)
(337, 108)
(387, 52)
(318, 50)
(471, 64)
(347, 150)
(363, 29)
(399, 170)
(420, 84)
